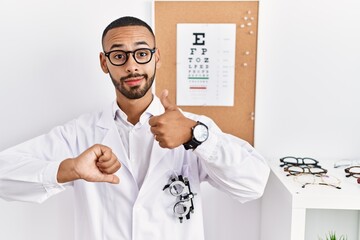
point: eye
(142, 53)
(118, 55)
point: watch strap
(193, 143)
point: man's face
(132, 80)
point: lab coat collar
(112, 139)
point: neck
(133, 108)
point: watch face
(200, 133)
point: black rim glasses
(295, 161)
(141, 56)
(305, 169)
(300, 167)
(353, 171)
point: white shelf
(285, 202)
(321, 197)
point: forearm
(232, 165)
(29, 180)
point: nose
(131, 65)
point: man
(157, 153)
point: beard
(134, 92)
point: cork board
(238, 119)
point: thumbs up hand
(172, 128)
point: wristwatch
(200, 133)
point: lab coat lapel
(157, 152)
(155, 169)
(112, 138)
(157, 155)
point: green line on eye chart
(198, 78)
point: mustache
(134, 75)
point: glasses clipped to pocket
(179, 187)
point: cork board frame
(238, 119)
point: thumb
(166, 102)
(111, 178)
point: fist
(97, 164)
(172, 128)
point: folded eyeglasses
(298, 161)
(308, 172)
(297, 165)
(353, 171)
(179, 187)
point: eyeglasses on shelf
(353, 171)
(289, 160)
(304, 169)
(322, 180)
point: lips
(134, 81)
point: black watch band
(199, 133)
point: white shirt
(103, 211)
(137, 146)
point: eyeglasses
(307, 171)
(303, 169)
(323, 180)
(179, 187)
(119, 57)
(353, 171)
(298, 161)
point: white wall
(308, 85)
(49, 74)
(308, 80)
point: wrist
(67, 172)
(199, 134)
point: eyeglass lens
(181, 209)
(177, 188)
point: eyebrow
(122, 45)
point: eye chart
(205, 64)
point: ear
(103, 63)
(157, 58)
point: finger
(100, 150)
(111, 178)
(107, 156)
(153, 121)
(109, 167)
(165, 101)
(155, 130)
(107, 164)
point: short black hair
(124, 22)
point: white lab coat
(105, 211)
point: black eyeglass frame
(299, 161)
(152, 51)
(352, 174)
(306, 169)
